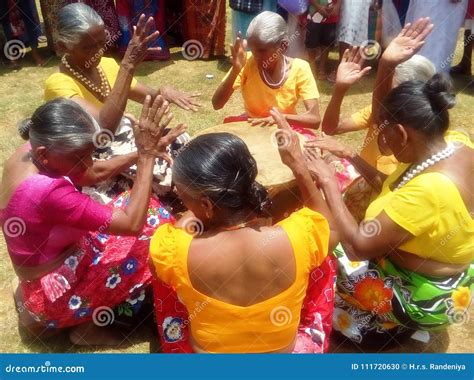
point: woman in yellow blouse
(268, 78)
(102, 88)
(409, 265)
(243, 283)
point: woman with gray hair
(269, 78)
(349, 72)
(102, 88)
(72, 268)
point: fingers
(345, 56)
(365, 71)
(145, 108)
(152, 37)
(138, 29)
(173, 134)
(428, 27)
(279, 119)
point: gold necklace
(101, 92)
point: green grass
(21, 93)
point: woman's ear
(41, 154)
(402, 134)
(61, 48)
(207, 207)
(284, 45)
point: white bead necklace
(441, 155)
(280, 82)
(103, 91)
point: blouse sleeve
(60, 85)
(309, 232)
(306, 84)
(362, 117)
(415, 206)
(163, 253)
(67, 206)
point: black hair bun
(439, 90)
(24, 129)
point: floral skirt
(107, 276)
(375, 299)
(315, 323)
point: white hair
(416, 68)
(268, 27)
(74, 20)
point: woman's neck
(79, 66)
(228, 220)
(425, 151)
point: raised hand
(408, 42)
(287, 140)
(150, 137)
(239, 54)
(138, 46)
(330, 144)
(350, 69)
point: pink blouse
(47, 215)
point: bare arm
(402, 48)
(311, 117)
(151, 142)
(105, 169)
(373, 238)
(226, 88)
(349, 72)
(170, 94)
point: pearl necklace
(103, 91)
(441, 155)
(275, 85)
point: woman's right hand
(350, 69)
(239, 53)
(330, 144)
(150, 137)
(408, 42)
(287, 141)
(138, 46)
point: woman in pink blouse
(76, 259)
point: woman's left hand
(262, 122)
(321, 172)
(287, 141)
(181, 99)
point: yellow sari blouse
(63, 85)
(221, 327)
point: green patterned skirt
(378, 297)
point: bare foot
(89, 334)
(37, 57)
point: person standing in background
(447, 17)
(20, 21)
(464, 67)
(243, 11)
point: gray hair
(416, 68)
(74, 20)
(268, 27)
(61, 125)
